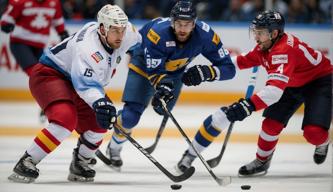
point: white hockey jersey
(86, 62)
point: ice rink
(292, 168)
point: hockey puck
(246, 187)
(175, 186)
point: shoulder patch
(216, 39)
(279, 59)
(97, 56)
(205, 26)
(153, 36)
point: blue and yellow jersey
(165, 57)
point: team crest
(97, 56)
(118, 59)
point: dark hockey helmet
(183, 10)
(269, 20)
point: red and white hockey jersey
(33, 20)
(289, 63)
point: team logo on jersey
(118, 59)
(153, 36)
(173, 65)
(170, 44)
(97, 56)
(216, 39)
(279, 59)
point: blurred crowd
(295, 11)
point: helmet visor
(258, 32)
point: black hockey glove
(63, 35)
(163, 91)
(106, 113)
(197, 74)
(239, 110)
(7, 28)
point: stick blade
(187, 174)
(151, 148)
(214, 162)
(224, 181)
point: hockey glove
(63, 35)
(197, 74)
(7, 28)
(163, 91)
(106, 113)
(239, 110)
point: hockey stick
(188, 173)
(150, 149)
(215, 161)
(158, 136)
(221, 181)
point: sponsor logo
(97, 56)
(279, 59)
(278, 76)
(170, 44)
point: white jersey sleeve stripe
(270, 94)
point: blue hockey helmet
(270, 20)
(183, 10)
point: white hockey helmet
(111, 15)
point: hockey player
(68, 85)
(157, 67)
(29, 23)
(297, 74)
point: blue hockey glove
(7, 28)
(63, 35)
(106, 113)
(239, 110)
(163, 91)
(197, 74)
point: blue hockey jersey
(164, 56)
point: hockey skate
(185, 162)
(320, 154)
(115, 160)
(255, 168)
(25, 170)
(79, 170)
(92, 161)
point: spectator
(134, 8)
(316, 15)
(234, 12)
(297, 12)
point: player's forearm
(267, 96)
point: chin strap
(103, 39)
(274, 40)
